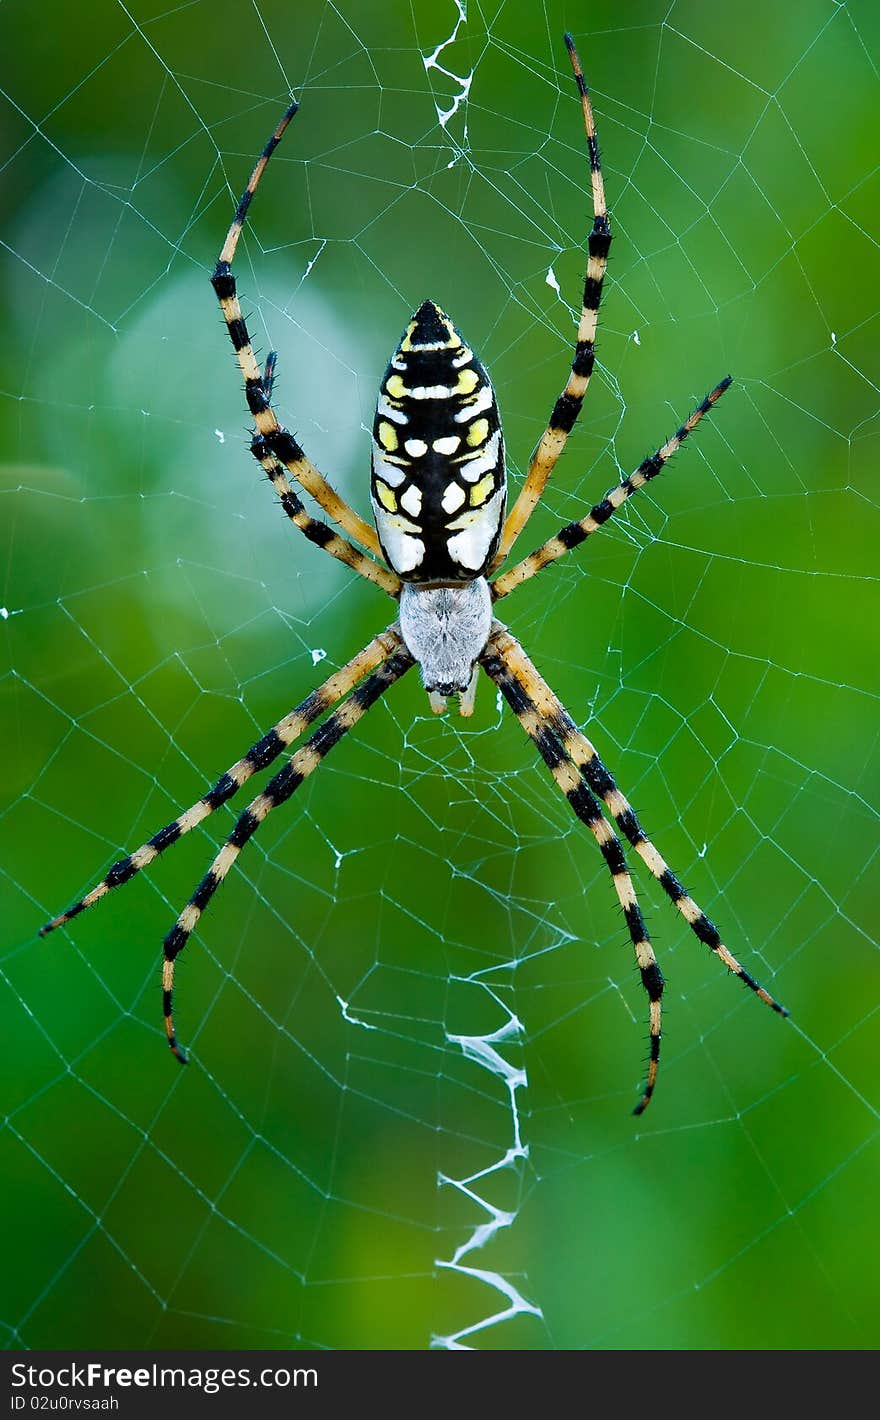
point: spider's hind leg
(288, 455)
(573, 534)
(568, 405)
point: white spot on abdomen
(392, 473)
(471, 469)
(470, 546)
(411, 501)
(453, 497)
(403, 550)
(484, 400)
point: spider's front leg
(260, 755)
(602, 785)
(279, 789)
(517, 692)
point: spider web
(415, 1026)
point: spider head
(438, 480)
(446, 630)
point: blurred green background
(296, 1185)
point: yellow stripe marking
(480, 491)
(386, 496)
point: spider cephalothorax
(438, 494)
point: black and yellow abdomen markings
(438, 482)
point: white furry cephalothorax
(445, 630)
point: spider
(438, 493)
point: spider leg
(319, 533)
(565, 772)
(258, 385)
(568, 405)
(277, 791)
(258, 757)
(573, 534)
(316, 531)
(602, 785)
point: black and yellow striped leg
(259, 756)
(316, 531)
(285, 783)
(602, 785)
(567, 777)
(258, 383)
(573, 534)
(568, 405)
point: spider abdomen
(438, 482)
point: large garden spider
(438, 496)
